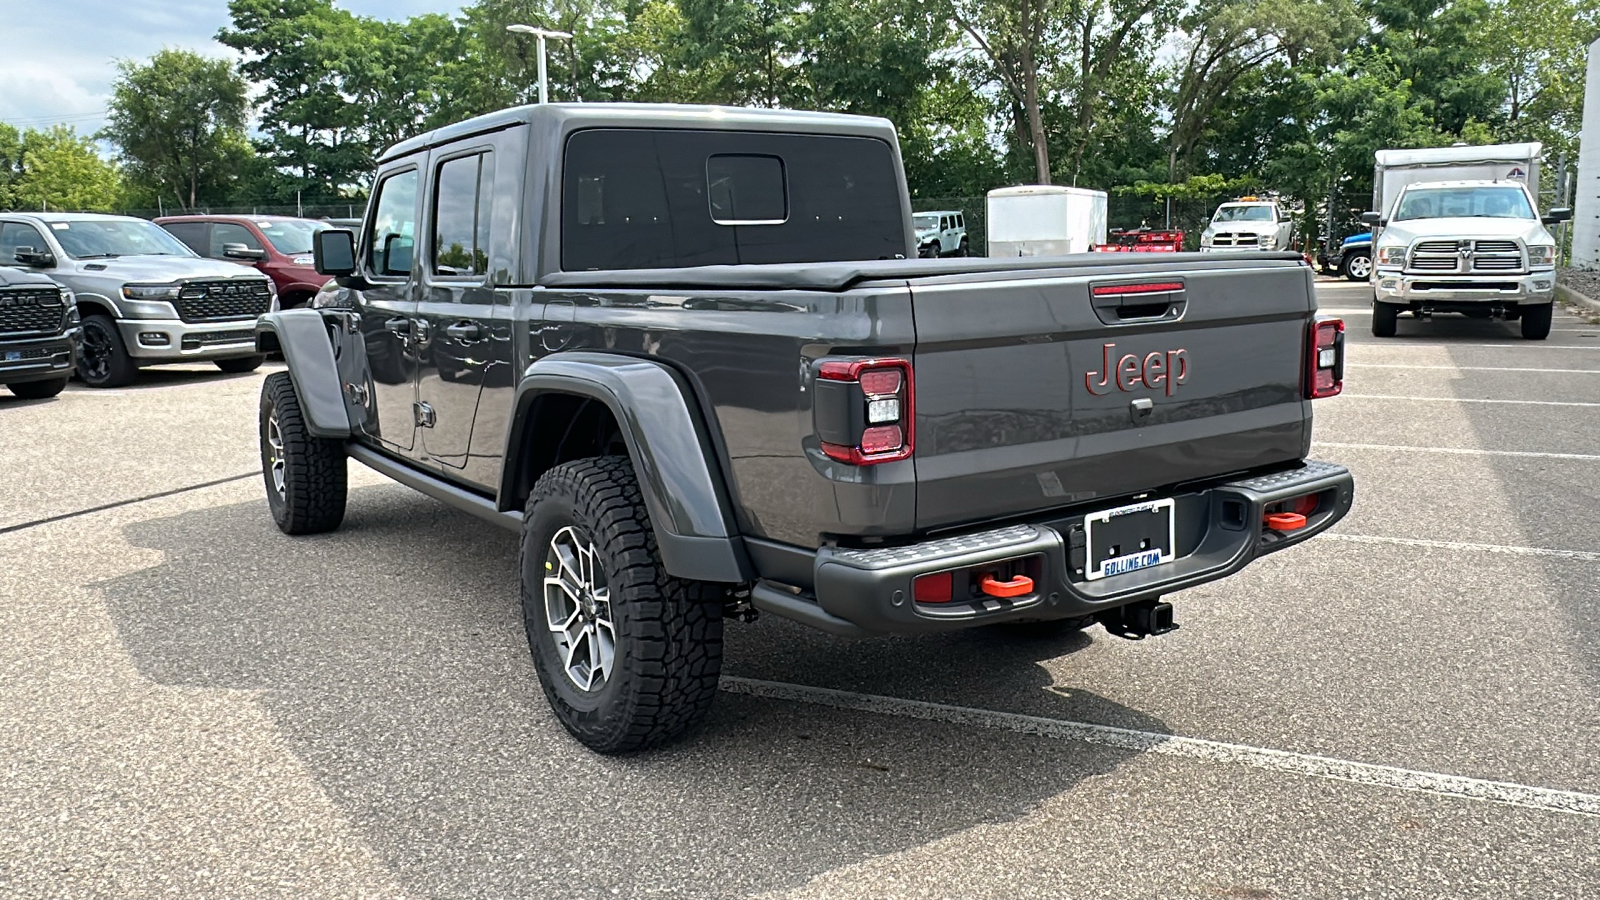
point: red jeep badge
(1155, 371)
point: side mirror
(31, 256)
(334, 252)
(241, 252)
(1372, 218)
(1555, 216)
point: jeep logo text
(1154, 371)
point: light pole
(541, 34)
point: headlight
(1267, 240)
(1391, 256)
(1541, 254)
(150, 291)
(1205, 238)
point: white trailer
(1045, 220)
(1493, 162)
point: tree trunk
(1041, 149)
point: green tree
(61, 170)
(1537, 48)
(178, 123)
(300, 51)
(10, 164)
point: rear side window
(461, 216)
(637, 198)
(193, 235)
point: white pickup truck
(1458, 230)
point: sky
(57, 61)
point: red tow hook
(1016, 587)
(1285, 521)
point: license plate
(13, 355)
(1129, 538)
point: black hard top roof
(569, 117)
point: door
(387, 310)
(456, 312)
(225, 233)
(16, 235)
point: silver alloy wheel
(577, 608)
(275, 455)
(1360, 267)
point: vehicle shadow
(178, 376)
(391, 657)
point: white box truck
(1457, 229)
(1045, 220)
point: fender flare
(302, 336)
(667, 440)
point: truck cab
(1247, 224)
(1477, 247)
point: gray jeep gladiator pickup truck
(684, 352)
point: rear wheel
(1384, 319)
(306, 476)
(241, 364)
(628, 655)
(38, 390)
(1357, 267)
(104, 361)
(965, 249)
(1536, 321)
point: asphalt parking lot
(196, 705)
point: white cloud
(57, 65)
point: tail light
(1325, 359)
(864, 410)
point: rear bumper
(860, 592)
(173, 340)
(38, 359)
(1533, 288)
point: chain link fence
(350, 210)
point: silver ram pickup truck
(143, 296)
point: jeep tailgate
(1016, 411)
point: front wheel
(628, 655)
(1357, 267)
(104, 361)
(306, 476)
(1385, 319)
(38, 390)
(1536, 321)
(241, 364)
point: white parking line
(1464, 400)
(1464, 451)
(1583, 555)
(1471, 368)
(1305, 764)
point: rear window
(637, 198)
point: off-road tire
(38, 390)
(668, 631)
(315, 473)
(965, 249)
(119, 369)
(1536, 321)
(241, 364)
(1385, 318)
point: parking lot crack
(129, 502)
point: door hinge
(425, 416)
(357, 392)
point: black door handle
(400, 325)
(464, 331)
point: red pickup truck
(279, 246)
